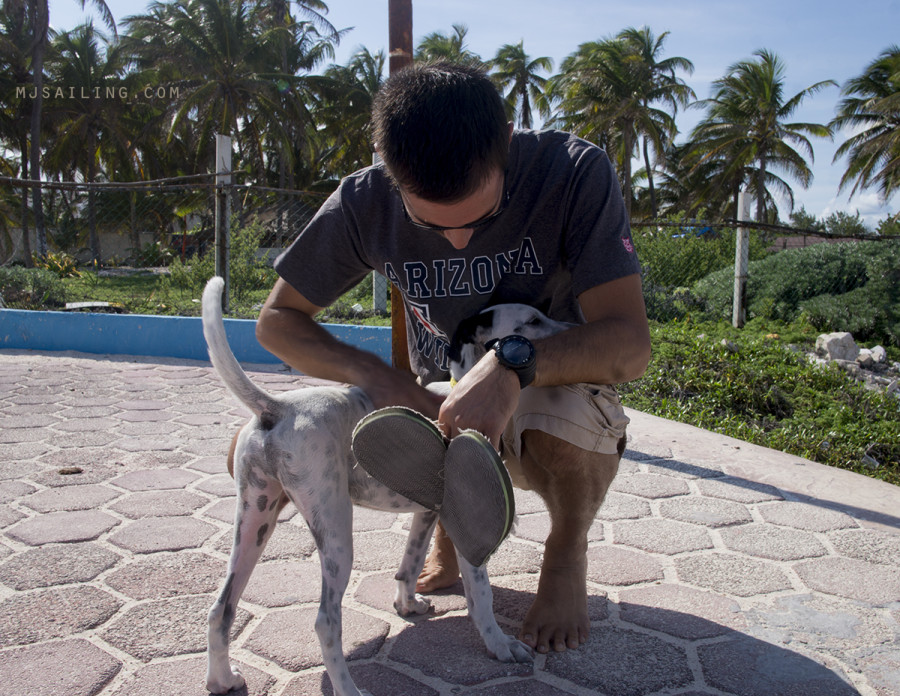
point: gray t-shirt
(564, 231)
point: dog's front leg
(480, 600)
(407, 601)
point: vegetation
(761, 389)
(149, 99)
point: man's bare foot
(558, 618)
(441, 568)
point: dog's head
(467, 347)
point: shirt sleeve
(324, 261)
(598, 244)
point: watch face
(517, 350)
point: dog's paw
(232, 680)
(407, 606)
(508, 649)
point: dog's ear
(467, 331)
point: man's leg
(573, 483)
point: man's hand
(484, 400)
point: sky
(816, 39)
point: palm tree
(345, 110)
(15, 58)
(517, 75)
(745, 128)
(85, 60)
(438, 46)
(609, 90)
(871, 108)
(644, 50)
(39, 11)
(226, 66)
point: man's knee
(550, 462)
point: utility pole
(741, 257)
(400, 56)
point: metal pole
(741, 257)
(400, 56)
(223, 213)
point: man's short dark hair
(441, 130)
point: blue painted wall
(156, 336)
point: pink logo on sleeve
(629, 247)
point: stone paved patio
(715, 567)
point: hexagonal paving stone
(776, 543)
(708, 512)
(513, 557)
(536, 527)
(661, 536)
(159, 504)
(608, 565)
(853, 579)
(36, 669)
(682, 612)
(618, 506)
(70, 498)
(58, 527)
(739, 490)
(686, 470)
(832, 625)
(56, 613)
(730, 574)
(804, 516)
(285, 584)
(870, 545)
(154, 534)
(165, 628)
(376, 679)
(56, 565)
(289, 541)
(650, 486)
(187, 677)
(464, 659)
(288, 638)
(735, 666)
(169, 575)
(156, 480)
(614, 661)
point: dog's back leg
(258, 505)
(480, 600)
(329, 515)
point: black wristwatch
(517, 354)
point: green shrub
(838, 287)
(62, 264)
(31, 288)
(152, 254)
(247, 271)
(672, 262)
(767, 394)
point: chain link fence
(846, 284)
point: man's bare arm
(287, 329)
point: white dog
(296, 449)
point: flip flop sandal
(405, 451)
(478, 507)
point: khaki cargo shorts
(589, 416)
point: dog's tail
(223, 359)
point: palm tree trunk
(761, 189)
(26, 236)
(650, 185)
(41, 19)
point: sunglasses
(483, 221)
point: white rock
(837, 346)
(879, 354)
(865, 357)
